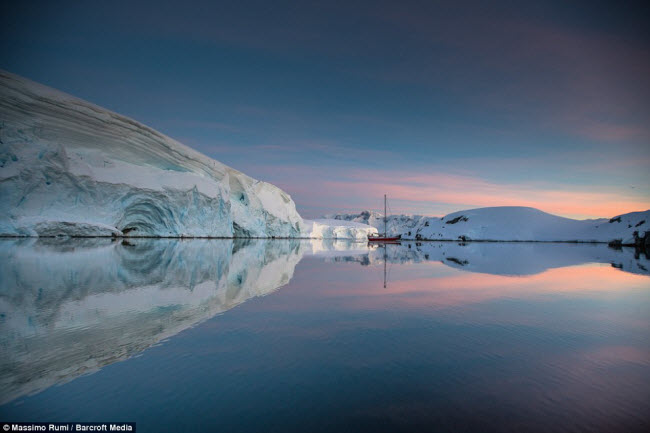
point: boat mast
(385, 215)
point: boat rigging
(384, 238)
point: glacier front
(68, 167)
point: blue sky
(442, 105)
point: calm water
(211, 335)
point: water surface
(216, 335)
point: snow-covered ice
(337, 229)
(68, 167)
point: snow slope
(68, 167)
(508, 223)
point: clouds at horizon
(442, 193)
(442, 106)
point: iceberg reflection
(70, 307)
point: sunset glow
(443, 108)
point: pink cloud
(481, 194)
(463, 190)
(338, 189)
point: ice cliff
(68, 167)
(508, 223)
(337, 229)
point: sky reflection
(332, 350)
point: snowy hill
(68, 167)
(508, 223)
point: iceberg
(68, 167)
(336, 229)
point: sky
(443, 106)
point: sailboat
(384, 237)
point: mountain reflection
(508, 258)
(69, 307)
